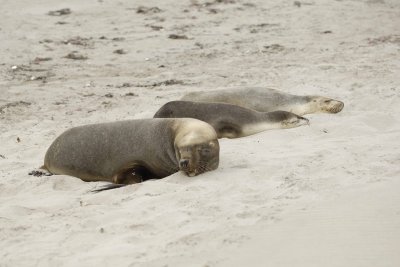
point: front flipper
(129, 176)
(107, 187)
(126, 177)
(227, 129)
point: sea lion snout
(183, 163)
(187, 167)
(339, 105)
(332, 105)
(199, 158)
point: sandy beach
(327, 194)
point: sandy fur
(193, 132)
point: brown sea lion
(132, 151)
(231, 121)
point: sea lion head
(196, 147)
(325, 105)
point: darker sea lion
(132, 151)
(228, 120)
(267, 100)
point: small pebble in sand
(123, 85)
(177, 37)
(89, 84)
(60, 12)
(18, 139)
(77, 40)
(156, 28)
(127, 85)
(109, 95)
(36, 78)
(118, 39)
(131, 94)
(76, 56)
(147, 10)
(2, 156)
(199, 45)
(274, 48)
(213, 11)
(120, 51)
(40, 59)
(297, 3)
(46, 41)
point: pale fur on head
(323, 104)
(191, 137)
(193, 132)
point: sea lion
(228, 120)
(267, 100)
(132, 151)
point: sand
(323, 195)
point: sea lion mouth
(201, 168)
(184, 165)
(196, 171)
(190, 173)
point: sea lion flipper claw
(107, 187)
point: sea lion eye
(205, 150)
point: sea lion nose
(183, 163)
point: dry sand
(324, 195)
